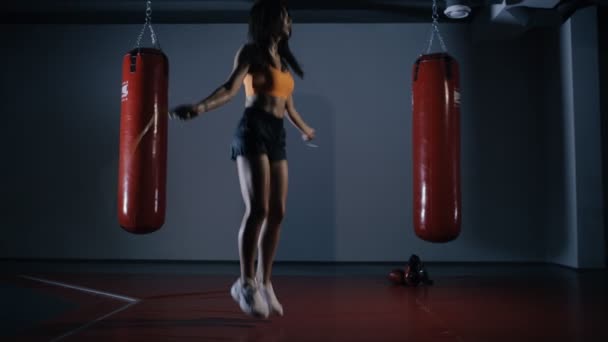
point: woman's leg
(254, 178)
(269, 236)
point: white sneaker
(271, 298)
(249, 298)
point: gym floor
(184, 301)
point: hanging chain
(435, 15)
(148, 24)
(435, 30)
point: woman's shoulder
(251, 53)
(249, 50)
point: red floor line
(206, 294)
(89, 324)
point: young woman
(263, 66)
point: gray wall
(349, 200)
(555, 139)
(585, 86)
(572, 166)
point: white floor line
(431, 313)
(131, 301)
(83, 289)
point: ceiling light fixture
(456, 9)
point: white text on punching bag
(125, 91)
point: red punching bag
(436, 147)
(143, 141)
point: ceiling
(303, 11)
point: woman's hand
(183, 112)
(308, 134)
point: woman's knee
(257, 213)
(276, 213)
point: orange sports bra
(280, 85)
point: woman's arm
(222, 94)
(228, 90)
(295, 118)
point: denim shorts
(259, 132)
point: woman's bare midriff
(267, 103)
